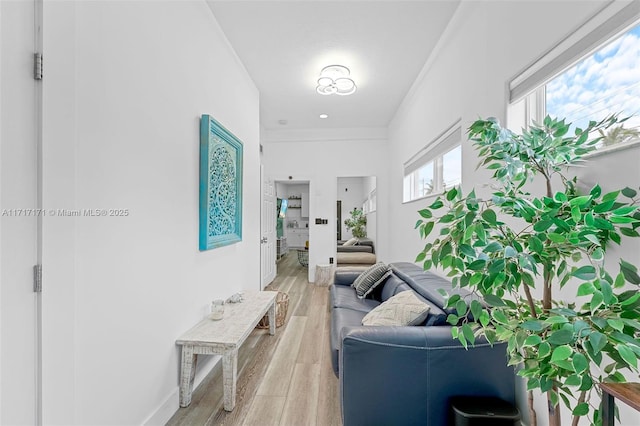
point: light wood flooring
(285, 379)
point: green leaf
(533, 340)
(629, 193)
(585, 273)
(544, 349)
(586, 289)
(561, 353)
(611, 196)
(535, 245)
(493, 247)
(623, 211)
(598, 341)
(581, 409)
(596, 191)
(418, 223)
(476, 309)
(490, 217)
(436, 204)
(532, 325)
(573, 380)
(575, 214)
(542, 225)
(426, 230)
(597, 255)
(580, 362)
(461, 308)
(580, 201)
(630, 272)
(556, 320)
(596, 301)
(477, 265)
(622, 219)
(426, 213)
(627, 355)
(420, 257)
(560, 337)
(452, 319)
(467, 331)
(510, 252)
(493, 300)
(467, 250)
(556, 238)
(450, 195)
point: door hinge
(37, 66)
(37, 278)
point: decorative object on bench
(505, 245)
(370, 278)
(407, 374)
(350, 242)
(282, 305)
(235, 298)
(402, 309)
(303, 257)
(217, 309)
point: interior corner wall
(487, 44)
(321, 162)
(125, 86)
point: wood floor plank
(310, 351)
(265, 411)
(278, 376)
(329, 411)
(301, 406)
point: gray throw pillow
(370, 278)
(402, 309)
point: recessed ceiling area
(285, 44)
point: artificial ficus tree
(357, 223)
(506, 246)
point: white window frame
(433, 152)
(527, 96)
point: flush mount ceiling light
(323, 116)
(334, 79)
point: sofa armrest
(385, 371)
(345, 277)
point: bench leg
(272, 319)
(187, 373)
(229, 378)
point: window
(436, 167)
(596, 75)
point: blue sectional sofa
(406, 375)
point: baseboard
(171, 404)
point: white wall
(126, 84)
(319, 157)
(486, 44)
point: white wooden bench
(224, 337)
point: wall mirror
(356, 198)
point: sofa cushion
(426, 283)
(370, 278)
(340, 318)
(345, 297)
(405, 308)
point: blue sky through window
(606, 82)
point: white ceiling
(285, 44)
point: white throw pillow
(402, 309)
(351, 242)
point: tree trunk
(533, 418)
(554, 412)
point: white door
(268, 230)
(20, 120)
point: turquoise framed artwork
(220, 185)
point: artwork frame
(221, 157)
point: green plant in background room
(516, 251)
(357, 223)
